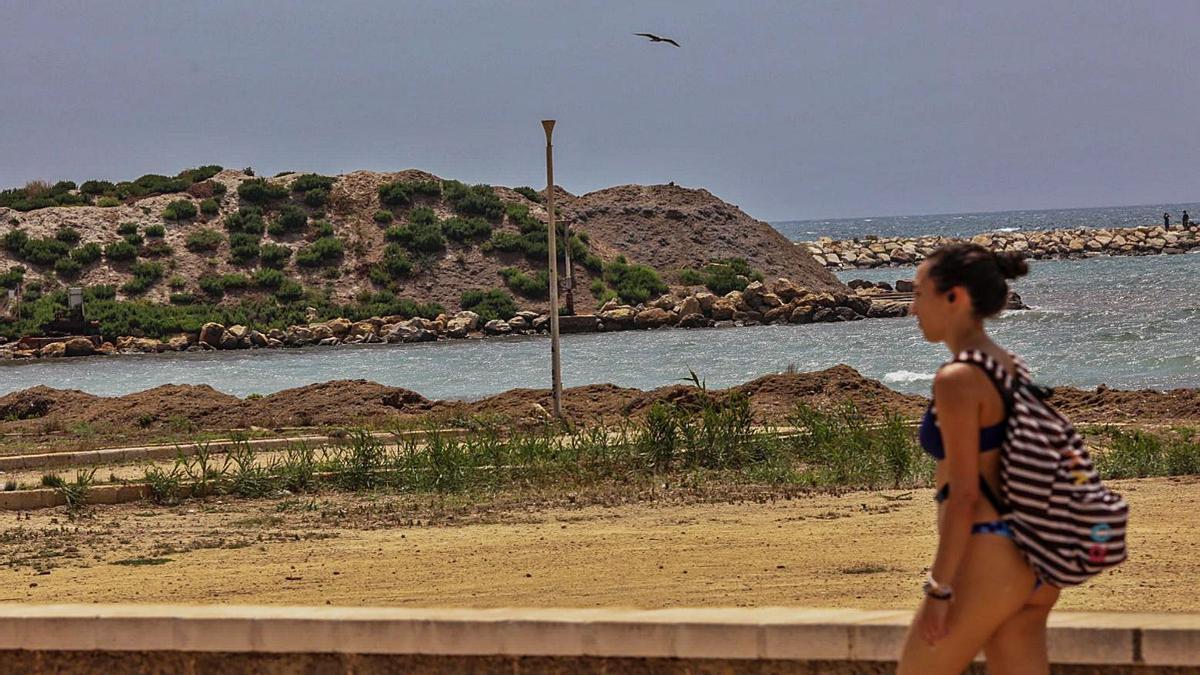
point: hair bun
(1011, 264)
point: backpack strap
(1004, 383)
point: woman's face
(932, 308)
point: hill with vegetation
(163, 254)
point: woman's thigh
(1018, 647)
(993, 584)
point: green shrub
(530, 286)
(633, 283)
(120, 250)
(259, 191)
(324, 228)
(490, 304)
(204, 240)
(422, 234)
(243, 247)
(68, 235)
(316, 198)
(107, 202)
(289, 290)
(247, 220)
(144, 276)
(722, 276)
(156, 230)
(210, 207)
(15, 240)
(235, 281)
(383, 217)
(601, 291)
(126, 229)
(311, 181)
(274, 255)
(86, 254)
(97, 187)
(401, 193)
(154, 183)
(212, 285)
(67, 268)
(135, 239)
(176, 282)
(182, 299)
(268, 278)
(12, 277)
(200, 174)
(395, 264)
(324, 251)
(180, 209)
(466, 229)
(474, 200)
(291, 219)
(529, 193)
(102, 292)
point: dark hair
(981, 271)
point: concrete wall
(119, 639)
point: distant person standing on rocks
(1166, 219)
(1186, 220)
(980, 594)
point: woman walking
(980, 594)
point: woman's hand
(931, 623)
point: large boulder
(663, 302)
(518, 323)
(694, 320)
(802, 313)
(887, 309)
(179, 343)
(78, 346)
(298, 335)
(363, 329)
(706, 301)
(320, 332)
(689, 305)
(497, 327)
(210, 334)
(621, 316)
(653, 317)
(468, 318)
(723, 309)
(338, 327)
(54, 350)
(785, 289)
(778, 314)
(229, 341)
(256, 338)
(238, 332)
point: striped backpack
(1066, 523)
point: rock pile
(1038, 245)
(782, 302)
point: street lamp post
(551, 231)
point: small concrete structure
(120, 639)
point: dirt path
(857, 550)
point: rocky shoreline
(1078, 243)
(782, 302)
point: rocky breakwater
(782, 302)
(1076, 243)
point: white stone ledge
(767, 633)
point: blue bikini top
(990, 438)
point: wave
(906, 377)
(1006, 229)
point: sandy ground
(862, 549)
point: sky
(791, 110)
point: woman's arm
(958, 392)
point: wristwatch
(937, 591)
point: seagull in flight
(655, 38)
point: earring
(950, 296)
